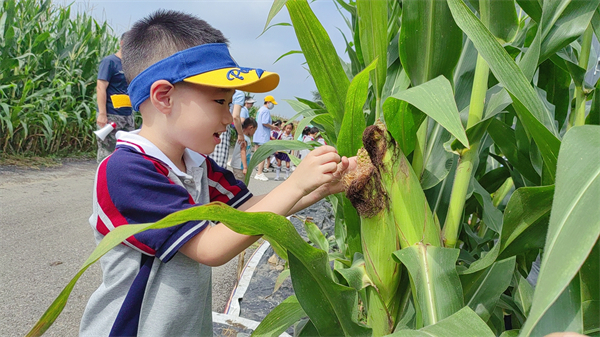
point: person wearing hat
(263, 132)
(158, 282)
(245, 113)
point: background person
(113, 103)
(263, 132)
(283, 156)
(242, 154)
(245, 112)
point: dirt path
(46, 237)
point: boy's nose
(227, 118)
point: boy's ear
(161, 96)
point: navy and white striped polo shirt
(149, 288)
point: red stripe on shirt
(134, 144)
(111, 211)
(219, 178)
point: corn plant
(468, 120)
(49, 58)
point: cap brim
(235, 79)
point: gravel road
(45, 239)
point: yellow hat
(271, 99)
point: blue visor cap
(207, 64)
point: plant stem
(377, 108)
(467, 157)
(577, 117)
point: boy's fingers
(330, 168)
(323, 149)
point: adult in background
(113, 102)
(263, 132)
(221, 152)
(245, 112)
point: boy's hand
(245, 170)
(316, 169)
(336, 185)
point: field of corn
(474, 209)
(49, 59)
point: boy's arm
(218, 244)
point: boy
(158, 282)
(242, 152)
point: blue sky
(241, 21)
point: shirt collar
(140, 144)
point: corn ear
(394, 214)
(413, 218)
(379, 241)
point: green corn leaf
(590, 292)
(574, 210)
(433, 275)
(434, 98)
(291, 52)
(275, 8)
(264, 151)
(523, 294)
(564, 314)
(334, 312)
(464, 323)
(501, 17)
(437, 161)
(504, 137)
(316, 236)
(430, 42)
(356, 276)
(283, 24)
(523, 226)
(372, 27)
(531, 111)
(353, 125)
(323, 61)
(280, 318)
(483, 289)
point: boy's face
(200, 114)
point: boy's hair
(313, 130)
(162, 34)
(249, 122)
(277, 123)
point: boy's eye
(220, 101)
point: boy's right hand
(316, 169)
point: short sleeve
(244, 113)
(135, 189)
(105, 69)
(238, 98)
(224, 187)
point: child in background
(286, 134)
(274, 136)
(311, 133)
(241, 155)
